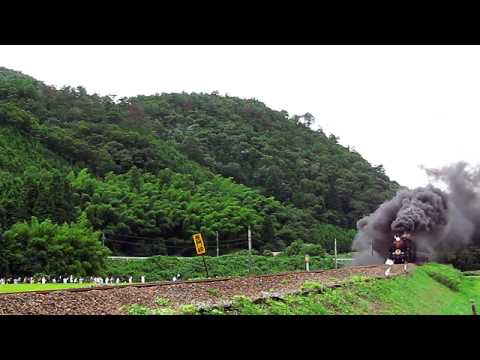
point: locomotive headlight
(398, 251)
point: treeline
(148, 171)
(45, 248)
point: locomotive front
(402, 249)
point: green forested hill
(32, 180)
(149, 171)
(268, 150)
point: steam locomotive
(402, 249)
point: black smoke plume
(440, 222)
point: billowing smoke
(440, 222)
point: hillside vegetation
(149, 171)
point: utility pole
(218, 250)
(474, 307)
(335, 245)
(249, 240)
(204, 263)
(250, 248)
(103, 238)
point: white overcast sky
(399, 106)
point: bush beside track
(165, 267)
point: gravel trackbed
(115, 300)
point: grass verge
(14, 288)
(431, 289)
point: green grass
(10, 288)
(431, 289)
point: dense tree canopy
(270, 151)
(44, 247)
(149, 171)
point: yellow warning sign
(199, 245)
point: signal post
(200, 248)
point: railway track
(173, 283)
(113, 299)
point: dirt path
(115, 300)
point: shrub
(44, 247)
(162, 301)
(444, 274)
(298, 247)
(189, 309)
(355, 279)
(213, 292)
(312, 286)
(136, 309)
(243, 305)
(164, 311)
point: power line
(133, 243)
(140, 237)
(157, 237)
(181, 242)
(164, 246)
